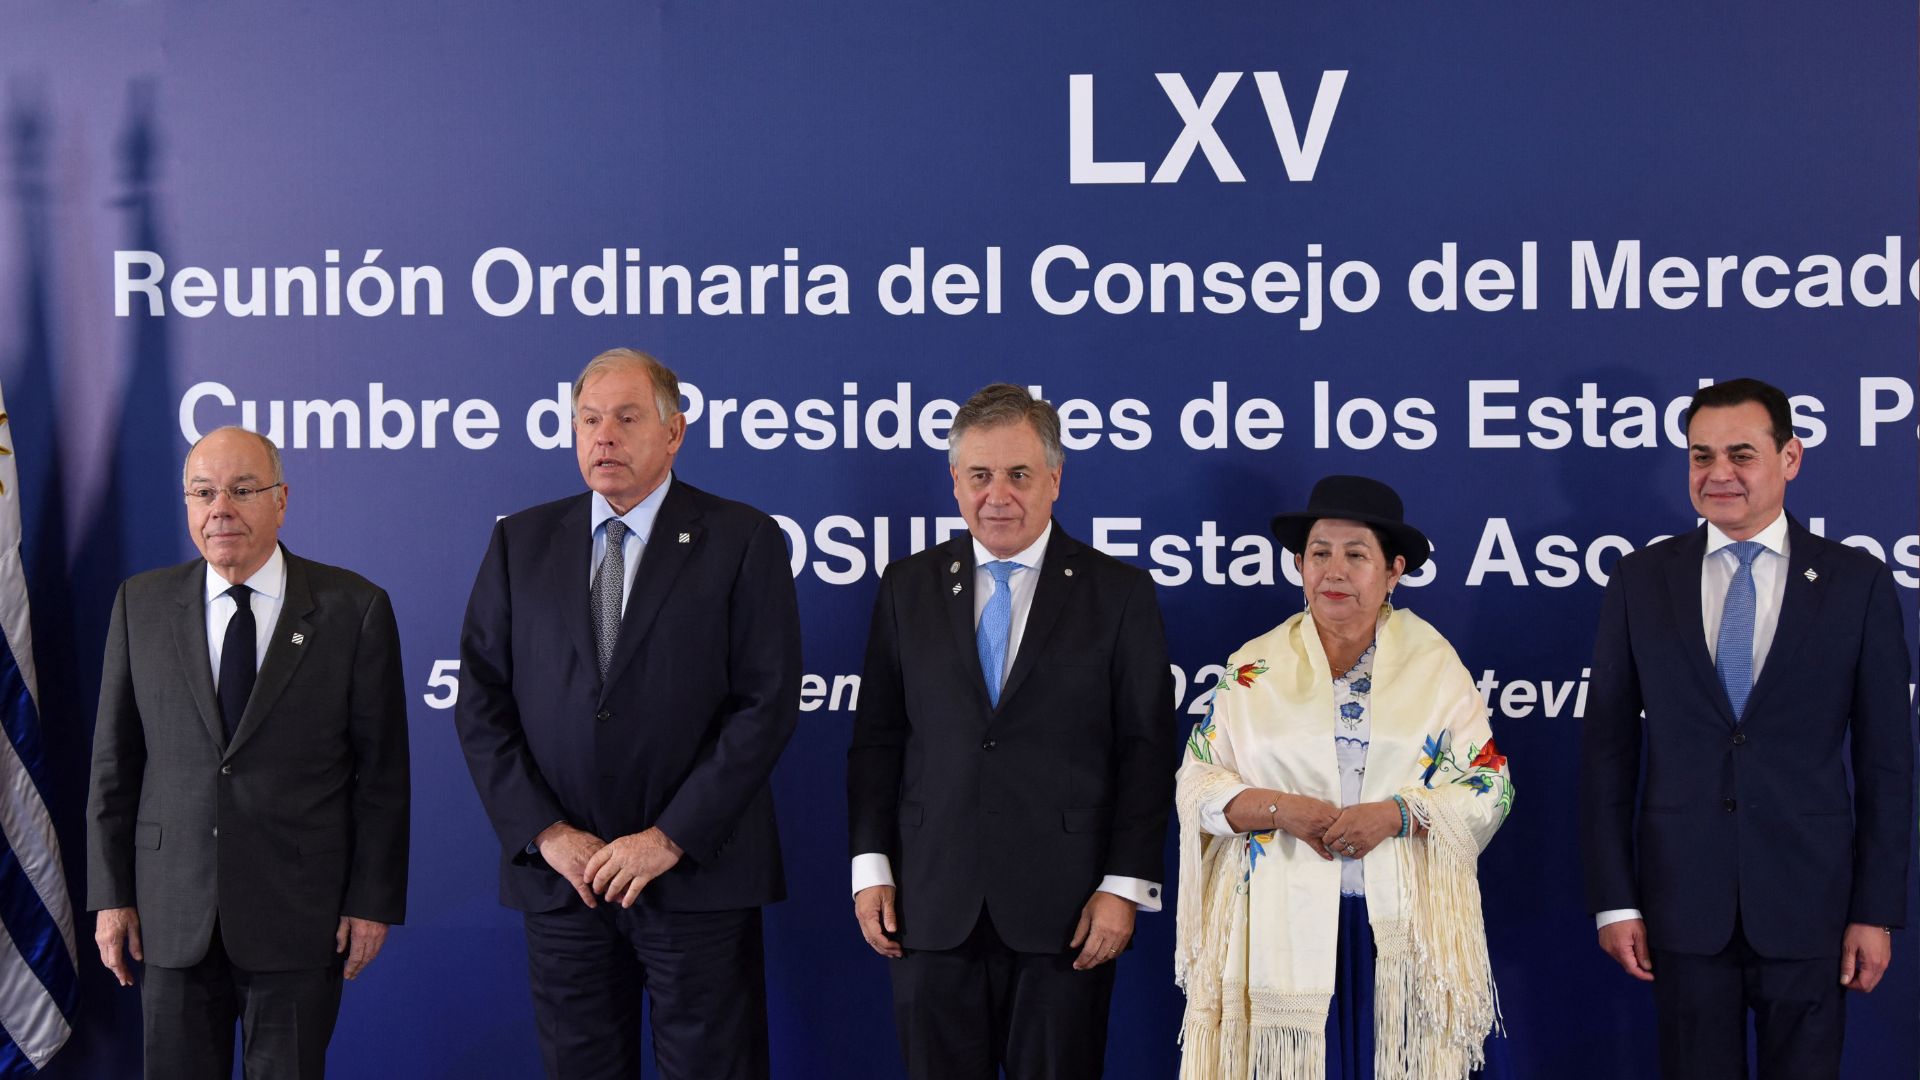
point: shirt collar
(270, 580)
(1773, 537)
(1028, 559)
(639, 520)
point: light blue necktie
(996, 627)
(1733, 652)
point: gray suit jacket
(300, 820)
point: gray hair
(666, 385)
(273, 452)
(1004, 403)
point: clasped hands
(616, 871)
(1329, 830)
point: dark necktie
(236, 660)
(609, 589)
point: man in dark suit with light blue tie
(1755, 879)
(1011, 768)
(630, 672)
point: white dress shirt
(874, 868)
(639, 522)
(1769, 589)
(269, 585)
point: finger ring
(1350, 850)
(1111, 952)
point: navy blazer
(1750, 814)
(702, 693)
(1022, 808)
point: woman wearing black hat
(1333, 806)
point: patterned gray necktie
(609, 589)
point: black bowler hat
(1354, 498)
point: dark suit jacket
(1755, 813)
(1023, 808)
(301, 819)
(701, 696)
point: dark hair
(1387, 549)
(1005, 403)
(1740, 391)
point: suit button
(216, 832)
(1739, 738)
(226, 770)
(1729, 804)
(988, 745)
(603, 715)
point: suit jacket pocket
(912, 814)
(1092, 819)
(316, 841)
(146, 834)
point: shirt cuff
(1609, 917)
(1144, 894)
(1213, 812)
(871, 869)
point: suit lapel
(1050, 595)
(190, 642)
(1799, 607)
(1683, 585)
(676, 533)
(567, 575)
(954, 583)
(285, 649)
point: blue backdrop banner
(1484, 252)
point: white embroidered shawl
(1258, 915)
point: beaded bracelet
(1402, 804)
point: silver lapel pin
(686, 538)
(955, 568)
(299, 639)
(956, 588)
(1811, 576)
(1069, 571)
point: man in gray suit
(247, 823)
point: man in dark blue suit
(630, 672)
(1754, 879)
(1011, 768)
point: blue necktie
(996, 627)
(1733, 652)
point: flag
(37, 957)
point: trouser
(965, 1013)
(285, 1018)
(701, 972)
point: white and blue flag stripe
(37, 957)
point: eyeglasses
(239, 493)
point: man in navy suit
(1011, 768)
(1754, 879)
(630, 672)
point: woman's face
(1347, 576)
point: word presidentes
(1062, 279)
(1498, 417)
(840, 549)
